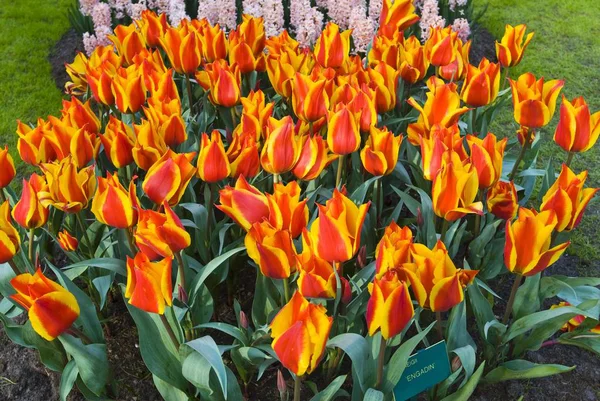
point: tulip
(246, 45)
(166, 118)
(160, 234)
(457, 68)
(384, 82)
(69, 188)
(502, 200)
(80, 115)
(386, 49)
(280, 75)
(343, 134)
(316, 277)
(83, 147)
(511, 48)
(244, 203)
(9, 236)
(149, 286)
(118, 141)
(113, 205)
(568, 199)
(128, 41)
(168, 178)
(50, 307)
(309, 99)
(7, 168)
(396, 16)
(287, 210)
(223, 82)
(528, 240)
(380, 154)
(254, 107)
(576, 321)
(183, 47)
(149, 147)
(444, 145)
(314, 158)
(215, 45)
(534, 101)
(389, 308)
(332, 47)
(336, 232)
(577, 129)
(282, 147)
(271, 249)
(363, 105)
(153, 27)
(482, 84)
(243, 155)
(34, 145)
(436, 282)
(67, 242)
(441, 47)
(128, 89)
(413, 62)
(213, 165)
(76, 70)
(524, 134)
(393, 249)
(442, 108)
(486, 157)
(300, 331)
(29, 211)
(454, 190)
(162, 87)
(99, 72)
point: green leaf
(430, 235)
(265, 300)
(527, 300)
(464, 393)
(207, 347)
(91, 360)
(398, 361)
(520, 369)
(167, 391)
(197, 371)
(356, 347)
(67, 379)
(111, 264)
(227, 329)
(103, 284)
(586, 340)
(330, 391)
(477, 247)
(358, 196)
(373, 395)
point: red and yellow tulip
(282, 147)
(314, 158)
(246, 45)
(394, 248)
(309, 99)
(7, 168)
(215, 45)
(152, 27)
(454, 190)
(413, 61)
(534, 101)
(443, 146)
(213, 165)
(66, 241)
(577, 129)
(511, 47)
(396, 16)
(10, 241)
(482, 84)
(149, 146)
(79, 115)
(244, 203)
(168, 178)
(128, 42)
(502, 200)
(149, 285)
(271, 249)
(166, 118)
(486, 157)
(69, 188)
(29, 212)
(380, 154)
(113, 205)
(243, 154)
(183, 47)
(128, 89)
(316, 278)
(576, 321)
(332, 47)
(343, 131)
(118, 141)
(160, 234)
(223, 81)
(287, 210)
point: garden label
(424, 370)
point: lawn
(28, 31)
(566, 46)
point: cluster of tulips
(187, 154)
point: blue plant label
(424, 370)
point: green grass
(28, 31)
(566, 46)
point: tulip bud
(346, 291)
(361, 258)
(456, 364)
(420, 220)
(67, 242)
(534, 101)
(182, 294)
(510, 50)
(243, 320)
(281, 386)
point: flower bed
(187, 156)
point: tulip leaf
(67, 379)
(477, 246)
(329, 393)
(519, 369)
(464, 393)
(200, 217)
(527, 299)
(103, 284)
(115, 265)
(265, 299)
(533, 340)
(207, 347)
(355, 346)
(208, 269)
(586, 340)
(430, 235)
(91, 360)
(168, 391)
(399, 359)
(373, 395)
(358, 196)
(227, 329)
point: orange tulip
(252, 30)
(83, 147)
(246, 45)
(486, 157)
(568, 199)
(215, 45)
(113, 205)
(149, 285)
(380, 154)
(314, 158)
(413, 62)
(99, 72)
(7, 168)
(436, 282)
(244, 203)
(69, 188)
(393, 249)
(502, 200)
(336, 232)
(316, 278)
(282, 146)
(50, 307)
(29, 211)
(149, 146)
(387, 50)
(128, 89)
(168, 178)
(574, 323)
(511, 48)
(166, 118)
(160, 234)
(256, 109)
(396, 16)
(523, 133)
(441, 47)
(9, 237)
(457, 68)
(528, 239)
(482, 84)
(577, 129)
(223, 82)
(384, 82)
(213, 165)
(442, 108)
(80, 115)
(183, 47)
(34, 145)
(118, 141)
(153, 27)
(280, 75)
(454, 190)
(300, 331)
(444, 145)
(363, 106)
(76, 70)
(343, 134)
(243, 155)
(271, 249)
(67, 242)
(309, 99)
(389, 308)
(288, 212)
(332, 47)
(534, 101)
(128, 41)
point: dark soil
(63, 53)
(483, 45)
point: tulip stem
(286, 289)
(438, 324)
(311, 128)
(188, 85)
(75, 332)
(2, 196)
(477, 228)
(297, 387)
(209, 219)
(85, 234)
(130, 241)
(170, 331)
(511, 300)
(444, 229)
(521, 155)
(569, 159)
(381, 362)
(31, 237)
(338, 178)
(14, 267)
(181, 270)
